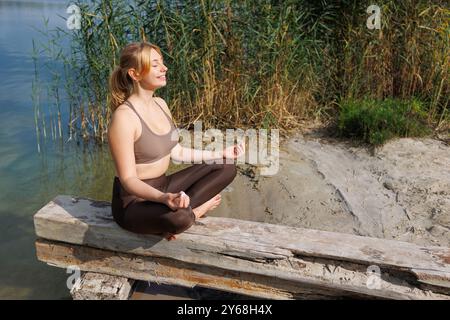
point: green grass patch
(376, 121)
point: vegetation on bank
(376, 121)
(268, 64)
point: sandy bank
(400, 191)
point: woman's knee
(228, 168)
(229, 171)
(182, 220)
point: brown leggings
(200, 182)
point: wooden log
(170, 271)
(320, 261)
(98, 286)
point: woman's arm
(121, 144)
(189, 155)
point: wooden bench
(251, 258)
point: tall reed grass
(263, 64)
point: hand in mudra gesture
(234, 151)
(177, 200)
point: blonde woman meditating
(142, 139)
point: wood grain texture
(327, 261)
(99, 286)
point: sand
(398, 191)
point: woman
(142, 138)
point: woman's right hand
(176, 200)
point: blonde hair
(134, 55)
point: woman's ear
(133, 74)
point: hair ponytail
(120, 87)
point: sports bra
(150, 147)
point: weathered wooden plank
(228, 243)
(434, 278)
(342, 281)
(98, 286)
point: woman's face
(156, 77)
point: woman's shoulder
(123, 116)
(123, 110)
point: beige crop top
(151, 147)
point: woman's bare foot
(168, 236)
(171, 237)
(207, 206)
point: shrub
(376, 121)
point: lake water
(31, 178)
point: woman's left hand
(234, 151)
